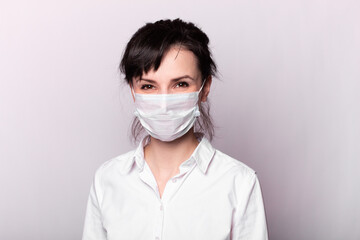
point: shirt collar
(202, 155)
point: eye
(182, 84)
(147, 86)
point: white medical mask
(167, 116)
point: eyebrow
(173, 80)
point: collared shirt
(213, 197)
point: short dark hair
(150, 43)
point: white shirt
(214, 197)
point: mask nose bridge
(163, 102)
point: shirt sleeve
(93, 227)
(249, 220)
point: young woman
(175, 185)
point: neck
(166, 157)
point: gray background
(286, 104)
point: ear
(206, 89)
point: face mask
(167, 116)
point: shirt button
(157, 238)
(161, 207)
(174, 180)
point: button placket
(159, 221)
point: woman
(175, 185)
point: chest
(192, 208)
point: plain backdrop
(286, 103)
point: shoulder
(241, 178)
(225, 163)
(117, 165)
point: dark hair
(151, 42)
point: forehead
(175, 63)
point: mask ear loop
(197, 112)
(202, 86)
(132, 90)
